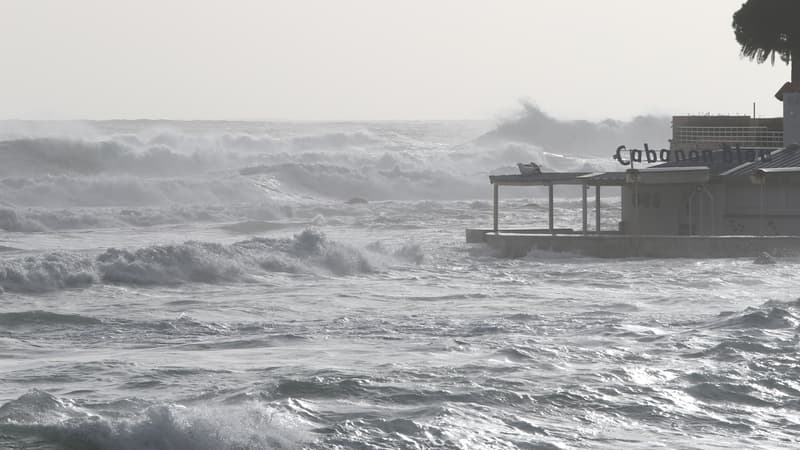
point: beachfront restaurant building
(727, 186)
(723, 196)
(725, 201)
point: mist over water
(231, 285)
(580, 137)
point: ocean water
(222, 285)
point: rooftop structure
(711, 132)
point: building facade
(759, 197)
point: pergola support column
(550, 207)
(597, 208)
(496, 211)
(761, 207)
(585, 206)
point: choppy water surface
(278, 316)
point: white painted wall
(791, 118)
(735, 210)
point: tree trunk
(795, 68)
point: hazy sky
(374, 59)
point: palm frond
(766, 28)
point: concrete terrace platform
(517, 243)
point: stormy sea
(281, 285)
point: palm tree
(765, 28)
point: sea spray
(578, 137)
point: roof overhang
(603, 179)
(776, 174)
(669, 175)
(653, 175)
(539, 179)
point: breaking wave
(166, 163)
(164, 154)
(309, 252)
(38, 417)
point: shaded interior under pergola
(551, 179)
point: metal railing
(745, 136)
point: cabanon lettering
(727, 154)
